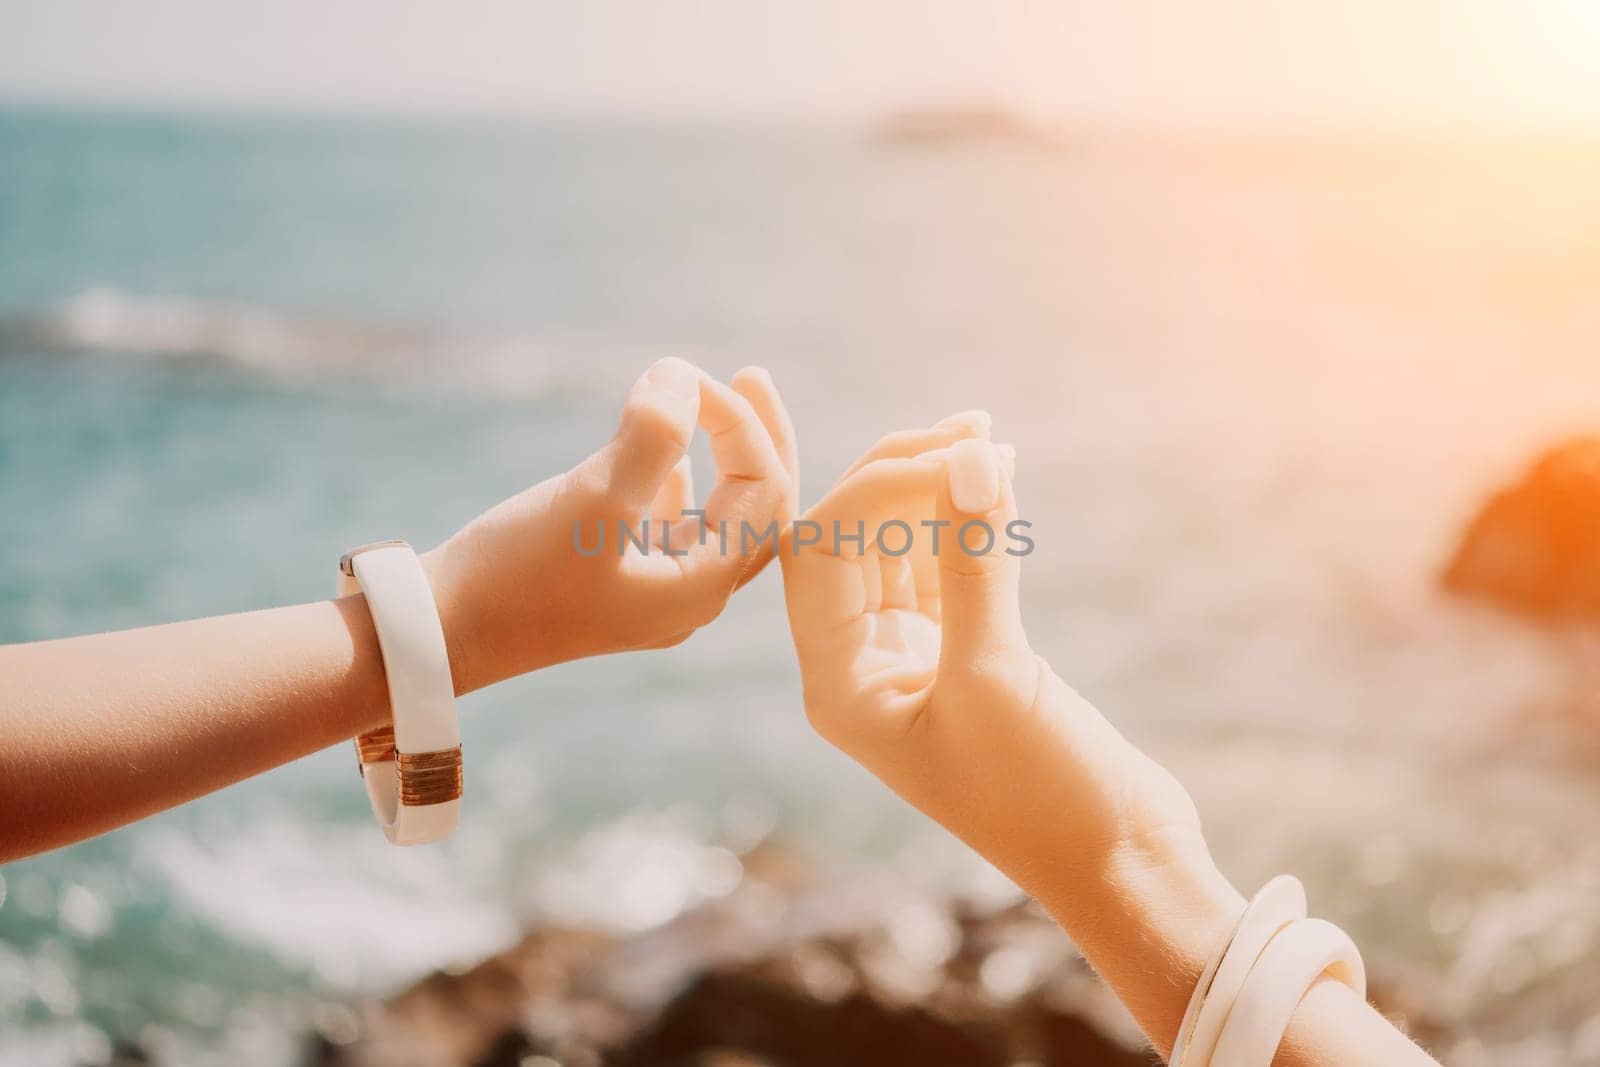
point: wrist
(1148, 921)
(1134, 883)
(463, 638)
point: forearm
(1109, 843)
(987, 740)
(101, 730)
(1099, 835)
(1154, 917)
(1333, 1027)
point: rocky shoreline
(780, 971)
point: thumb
(658, 424)
(981, 614)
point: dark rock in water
(783, 972)
(128, 1053)
(1535, 547)
(774, 974)
(769, 1019)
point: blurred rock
(1535, 547)
(780, 972)
(128, 1053)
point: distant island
(941, 126)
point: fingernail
(674, 376)
(974, 476)
(977, 418)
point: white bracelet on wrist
(1291, 964)
(412, 769)
(1249, 989)
(1277, 904)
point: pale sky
(1361, 61)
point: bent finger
(657, 424)
(851, 517)
(740, 442)
(942, 434)
(755, 384)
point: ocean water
(1257, 387)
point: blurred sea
(1257, 386)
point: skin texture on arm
(917, 666)
(101, 730)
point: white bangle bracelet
(1277, 904)
(412, 769)
(1283, 975)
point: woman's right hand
(920, 669)
(919, 666)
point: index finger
(740, 442)
(884, 491)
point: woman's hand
(515, 591)
(97, 731)
(918, 665)
(919, 668)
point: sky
(1514, 62)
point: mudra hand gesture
(522, 595)
(91, 737)
(918, 666)
(905, 614)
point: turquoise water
(1256, 389)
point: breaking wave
(288, 344)
(110, 321)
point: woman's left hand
(522, 585)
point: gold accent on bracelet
(429, 777)
(375, 746)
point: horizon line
(1291, 126)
